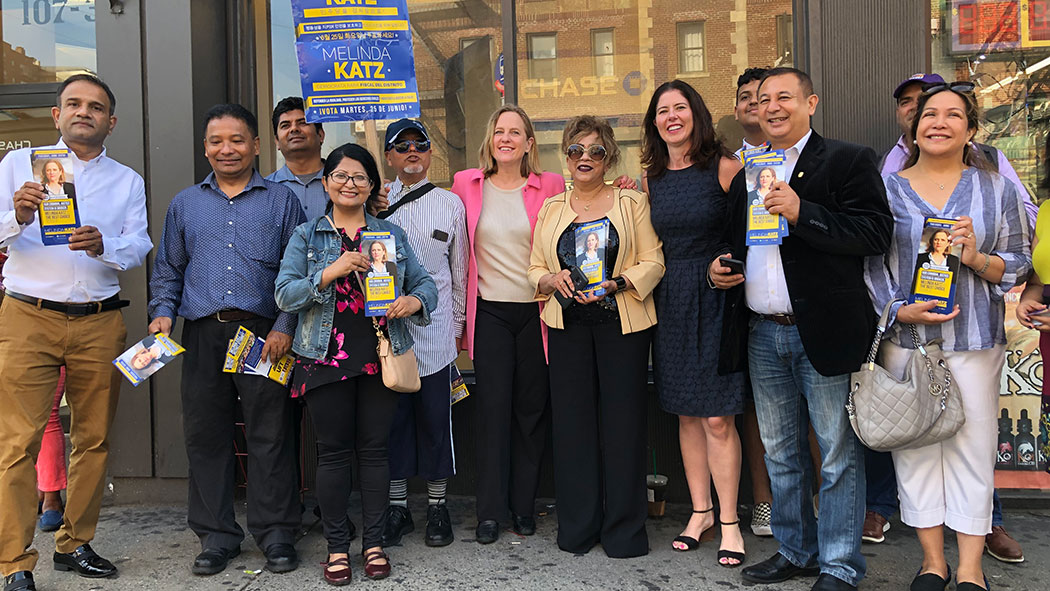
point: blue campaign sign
(355, 59)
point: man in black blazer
(803, 321)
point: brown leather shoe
(373, 569)
(875, 528)
(1002, 547)
(338, 576)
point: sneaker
(397, 522)
(875, 528)
(439, 525)
(1002, 547)
(760, 517)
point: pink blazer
(467, 184)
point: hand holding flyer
(380, 281)
(59, 216)
(244, 355)
(591, 240)
(936, 266)
(146, 357)
(762, 170)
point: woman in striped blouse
(950, 483)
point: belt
(233, 315)
(85, 309)
(781, 319)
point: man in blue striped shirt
(421, 435)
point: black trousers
(512, 410)
(421, 433)
(209, 401)
(598, 390)
(348, 415)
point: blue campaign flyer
(936, 266)
(761, 172)
(355, 59)
(591, 239)
(58, 213)
(380, 281)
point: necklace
(586, 204)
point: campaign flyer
(936, 265)
(761, 172)
(146, 357)
(380, 281)
(244, 355)
(458, 386)
(59, 216)
(591, 239)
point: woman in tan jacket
(598, 344)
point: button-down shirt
(311, 194)
(222, 253)
(745, 146)
(110, 196)
(766, 288)
(437, 232)
(894, 161)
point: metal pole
(509, 23)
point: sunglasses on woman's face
(595, 151)
(403, 146)
(935, 87)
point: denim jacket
(315, 245)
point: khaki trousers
(34, 344)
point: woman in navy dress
(687, 174)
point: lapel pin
(800, 173)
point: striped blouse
(1001, 228)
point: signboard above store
(988, 26)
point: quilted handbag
(891, 414)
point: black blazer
(843, 217)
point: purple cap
(920, 78)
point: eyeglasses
(597, 152)
(420, 146)
(956, 87)
(359, 180)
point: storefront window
(46, 40)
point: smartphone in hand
(579, 280)
(736, 266)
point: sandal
(930, 581)
(376, 571)
(693, 543)
(339, 576)
(730, 554)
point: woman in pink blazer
(503, 333)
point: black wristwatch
(621, 283)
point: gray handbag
(890, 414)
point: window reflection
(46, 41)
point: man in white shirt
(746, 110)
(62, 308)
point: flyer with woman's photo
(380, 281)
(59, 216)
(761, 172)
(937, 265)
(146, 357)
(244, 355)
(591, 239)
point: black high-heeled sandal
(730, 554)
(694, 543)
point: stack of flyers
(59, 216)
(749, 153)
(244, 355)
(936, 266)
(380, 282)
(591, 238)
(146, 357)
(761, 171)
(459, 387)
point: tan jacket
(640, 258)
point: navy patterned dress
(688, 213)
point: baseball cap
(401, 125)
(920, 78)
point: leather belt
(85, 309)
(781, 319)
(233, 315)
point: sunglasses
(597, 152)
(404, 146)
(956, 87)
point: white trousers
(951, 483)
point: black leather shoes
(281, 558)
(487, 531)
(777, 569)
(85, 563)
(439, 525)
(827, 582)
(214, 560)
(20, 581)
(524, 524)
(397, 522)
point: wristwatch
(621, 283)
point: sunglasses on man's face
(958, 87)
(595, 151)
(404, 146)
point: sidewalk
(153, 549)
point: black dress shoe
(487, 531)
(20, 581)
(776, 569)
(85, 563)
(827, 582)
(439, 525)
(214, 560)
(397, 522)
(524, 524)
(281, 558)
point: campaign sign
(59, 216)
(355, 59)
(937, 265)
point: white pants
(951, 483)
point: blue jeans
(789, 396)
